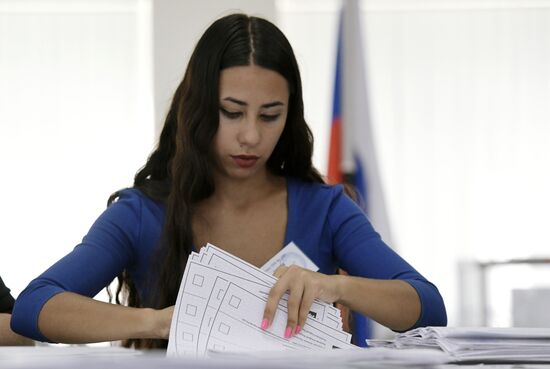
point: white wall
(76, 121)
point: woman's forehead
(252, 84)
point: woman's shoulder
(322, 198)
(136, 201)
(133, 195)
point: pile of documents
(480, 344)
(220, 307)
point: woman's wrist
(347, 288)
(339, 284)
(147, 325)
(157, 322)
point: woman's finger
(275, 294)
(307, 300)
(278, 273)
(294, 302)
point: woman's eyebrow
(242, 103)
(272, 104)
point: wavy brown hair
(178, 172)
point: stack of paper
(220, 307)
(481, 344)
(360, 358)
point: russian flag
(352, 154)
(334, 173)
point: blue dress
(324, 222)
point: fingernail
(265, 323)
(297, 330)
(288, 332)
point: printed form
(221, 302)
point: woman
(233, 168)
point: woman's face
(253, 111)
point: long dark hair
(178, 173)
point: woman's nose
(249, 133)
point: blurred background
(459, 107)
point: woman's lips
(245, 161)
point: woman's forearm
(72, 318)
(392, 303)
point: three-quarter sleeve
(104, 252)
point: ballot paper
(356, 358)
(220, 307)
(289, 255)
(479, 344)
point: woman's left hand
(303, 286)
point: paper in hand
(220, 307)
(289, 255)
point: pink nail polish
(297, 330)
(288, 332)
(265, 324)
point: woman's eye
(231, 114)
(269, 118)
